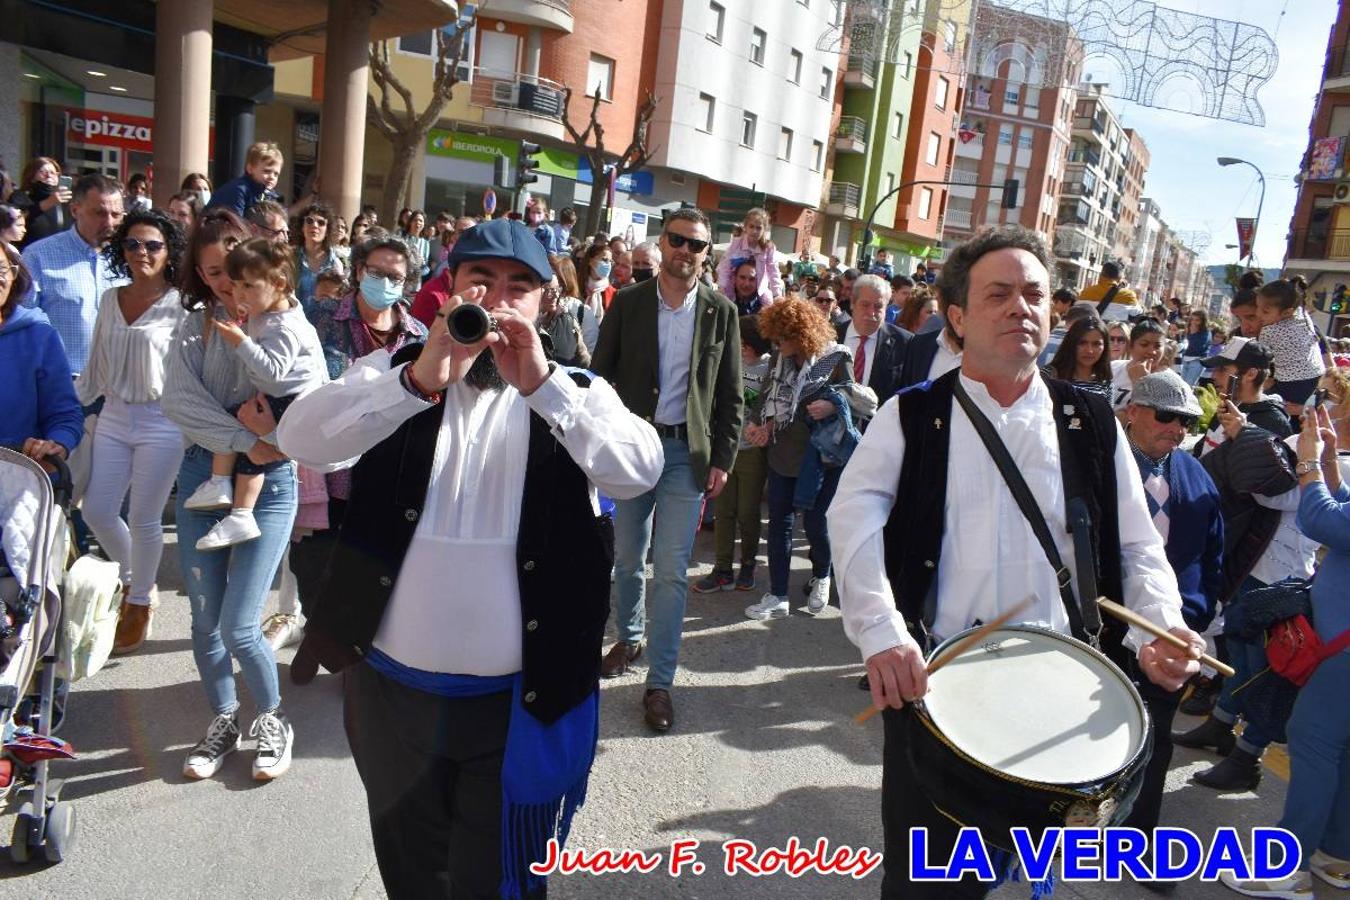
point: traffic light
(526, 163)
(503, 173)
(1010, 189)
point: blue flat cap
(502, 239)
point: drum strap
(1036, 519)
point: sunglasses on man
(679, 240)
(1167, 417)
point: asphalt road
(764, 748)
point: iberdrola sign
(476, 147)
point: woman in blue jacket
(39, 411)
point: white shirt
(456, 604)
(991, 559)
(127, 360)
(851, 340)
(1122, 385)
(675, 343)
(948, 357)
(1289, 554)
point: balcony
(554, 14)
(1085, 155)
(844, 200)
(522, 102)
(861, 71)
(1321, 244)
(851, 136)
(963, 176)
(957, 218)
(1336, 76)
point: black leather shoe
(1238, 771)
(1210, 733)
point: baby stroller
(34, 545)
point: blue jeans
(672, 507)
(782, 519)
(1317, 804)
(227, 588)
(1191, 370)
(1247, 658)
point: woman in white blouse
(136, 449)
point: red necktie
(860, 361)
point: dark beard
(483, 374)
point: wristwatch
(1307, 467)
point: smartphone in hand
(1319, 397)
(1230, 388)
(64, 182)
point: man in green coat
(671, 347)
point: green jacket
(627, 356)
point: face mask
(642, 274)
(380, 293)
(204, 196)
(602, 269)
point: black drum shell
(973, 794)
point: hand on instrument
(897, 676)
(1168, 666)
(518, 351)
(444, 359)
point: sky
(1194, 192)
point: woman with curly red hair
(811, 378)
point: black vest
(913, 534)
(564, 555)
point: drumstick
(1133, 618)
(960, 647)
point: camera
(469, 323)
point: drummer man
(933, 540)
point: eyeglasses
(679, 240)
(316, 223)
(1118, 340)
(1167, 417)
(551, 293)
(393, 279)
(283, 231)
(823, 300)
(6, 271)
(134, 245)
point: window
(925, 202)
(718, 16)
(1024, 140)
(898, 129)
(1013, 94)
(422, 44)
(757, 42)
(600, 74)
(709, 105)
(940, 93)
(890, 182)
(498, 54)
(785, 144)
(795, 67)
(909, 63)
(826, 83)
(817, 155)
(1005, 135)
(748, 123)
(930, 156)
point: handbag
(1295, 650)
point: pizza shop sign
(87, 126)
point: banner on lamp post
(1246, 230)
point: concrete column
(236, 121)
(534, 49)
(342, 125)
(11, 122)
(182, 93)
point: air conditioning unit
(1342, 192)
(506, 93)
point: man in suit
(878, 347)
(671, 346)
(933, 353)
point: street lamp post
(1256, 226)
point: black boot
(1203, 696)
(1209, 733)
(1238, 771)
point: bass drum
(1028, 728)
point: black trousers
(431, 767)
(310, 556)
(905, 806)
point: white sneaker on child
(236, 528)
(213, 493)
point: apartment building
(1319, 235)
(1094, 184)
(1017, 123)
(1132, 177)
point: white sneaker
(236, 528)
(281, 630)
(820, 595)
(275, 737)
(222, 739)
(215, 492)
(768, 607)
(1296, 887)
(1333, 870)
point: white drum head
(1036, 705)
